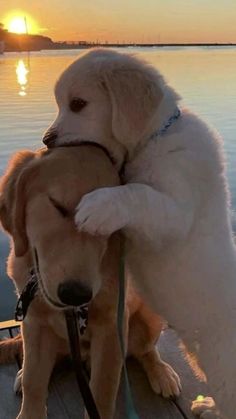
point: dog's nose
(50, 138)
(73, 293)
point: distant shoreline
(12, 42)
(67, 46)
(70, 46)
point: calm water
(205, 77)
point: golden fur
(29, 215)
(10, 349)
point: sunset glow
(155, 21)
(20, 22)
(21, 72)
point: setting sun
(20, 23)
(17, 25)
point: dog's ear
(4, 216)
(135, 95)
(19, 214)
(12, 200)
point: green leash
(130, 409)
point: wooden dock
(64, 401)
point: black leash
(72, 329)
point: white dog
(174, 206)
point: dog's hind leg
(162, 377)
(11, 349)
(144, 330)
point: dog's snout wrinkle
(49, 138)
(73, 293)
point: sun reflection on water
(22, 72)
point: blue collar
(167, 124)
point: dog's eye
(62, 210)
(77, 104)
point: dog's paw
(101, 212)
(165, 381)
(204, 408)
(18, 383)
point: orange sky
(130, 20)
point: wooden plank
(9, 402)
(64, 394)
(147, 403)
(149, 406)
(64, 401)
(9, 324)
(168, 345)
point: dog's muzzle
(49, 138)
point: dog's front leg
(138, 208)
(106, 366)
(39, 360)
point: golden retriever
(174, 206)
(39, 194)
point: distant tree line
(23, 42)
(3, 32)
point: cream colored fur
(174, 206)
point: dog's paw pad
(165, 381)
(204, 408)
(18, 383)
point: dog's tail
(11, 349)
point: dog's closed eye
(62, 210)
(77, 104)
